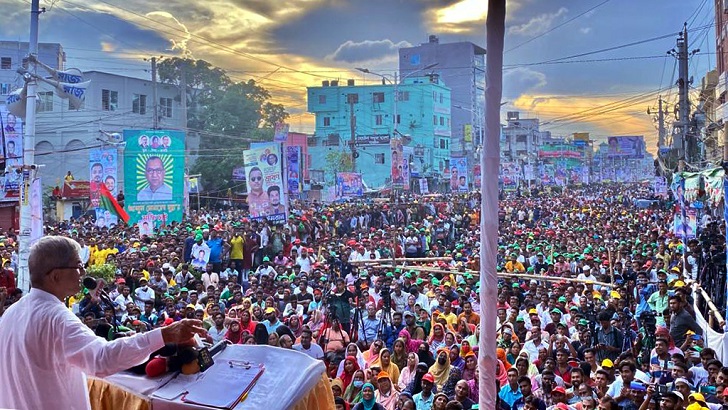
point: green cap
(556, 310)
(266, 259)
(184, 290)
(562, 299)
(582, 322)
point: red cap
(430, 378)
(558, 389)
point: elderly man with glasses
(48, 350)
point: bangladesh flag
(108, 202)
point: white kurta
(47, 352)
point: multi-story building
(13, 56)
(364, 115)
(520, 140)
(721, 89)
(461, 67)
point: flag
(108, 202)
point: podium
(292, 380)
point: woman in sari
(412, 345)
(352, 394)
(513, 353)
(408, 371)
(471, 363)
(347, 373)
(385, 363)
(450, 339)
(441, 369)
(501, 354)
(246, 321)
(353, 350)
(465, 348)
(437, 340)
(455, 359)
(294, 323)
(372, 355)
(234, 333)
(315, 322)
(474, 386)
(399, 354)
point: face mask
(358, 384)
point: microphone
(91, 283)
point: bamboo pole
(430, 259)
(713, 309)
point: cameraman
(391, 331)
(670, 401)
(340, 302)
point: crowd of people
(594, 311)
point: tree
(338, 161)
(228, 115)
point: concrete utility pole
(679, 139)
(661, 126)
(28, 168)
(350, 99)
(155, 100)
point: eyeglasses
(78, 267)
(256, 178)
(155, 170)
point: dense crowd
(387, 295)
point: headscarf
(359, 358)
(368, 404)
(467, 373)
(407, 373)
(234, 337)
(459, 362)
(392, 370)
(298, 329)
(465, 347)
(501, 353)
(501, 373)
(433, 340)
(426, 355)
(452, 380)
(315, 320)
(370, 357)
(410, 344)
(261, 334)
(342, 402)
(353, 394)
(338, 382)
(441, 371)
(347, 377)
(401, 360)
(390, 401)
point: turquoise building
(364, 115)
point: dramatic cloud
(520, 81)
(367, 50)
(537, 25)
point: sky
(289, 45)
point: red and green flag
(108, 202)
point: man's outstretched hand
(183, 331)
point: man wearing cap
(416, 332)
(271, 321)
(265, 269)
(424, 399)
(143, 293)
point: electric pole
(155, 100)
(351, 99)
(28, 168)
(680, 134)
(661, 126)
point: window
(327, 121)
(109, 100)
(322, 99)
(398, 119)
(139, 104)
(434, 96)
(6, 88)
(442, 120)
(378, 98)
(45, 101)
(434, 120)
(403, 96)
(443, 144)
(6, 63)
(378, 119)
(379, 158)
(165, 107)
(352, 98)
(440, 98)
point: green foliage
(338, 161)
(228, 115)
(105, 271)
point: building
(721, 89)
(461, 67)
(365, 116)
(13, 56)
(521, 138)
(113, 103)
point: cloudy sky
(288, 45)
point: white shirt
(163, 193)
(121, 302)
(47, 352)
(217, 335)
(84, 254)
(143, 296)
(314, 351)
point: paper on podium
(224, 385)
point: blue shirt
(271, 328)
(215, 246)
(510, 396)
(368, 330)
(422, 403)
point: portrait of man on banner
(156, 188)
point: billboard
(626, 147)
(685, 224)
(510, 173)
(293, 171)
(103, 169)
(12, 138)
(348, 184)
(266, 196)
(560, 151)
(547, 174)
(280, 132)
(397, 171)
(459, 174)
(154, 165)
(408, 158)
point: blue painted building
(365, 114)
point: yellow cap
(615, 295)
(679, 284)
(607, 363)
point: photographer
(608, 339)
(340, 304)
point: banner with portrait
(293, 171)
(395, 146)
(685, 224)
(408, 157)
(280, 132)
(659, 186)
(12, 138)
(547, 174)
(459, 174)
(348, 184)
(154, 164)
(103, 169)
(626, 147)
(264, 180)
(510, 173)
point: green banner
(154, 163)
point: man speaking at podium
(47, 350)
